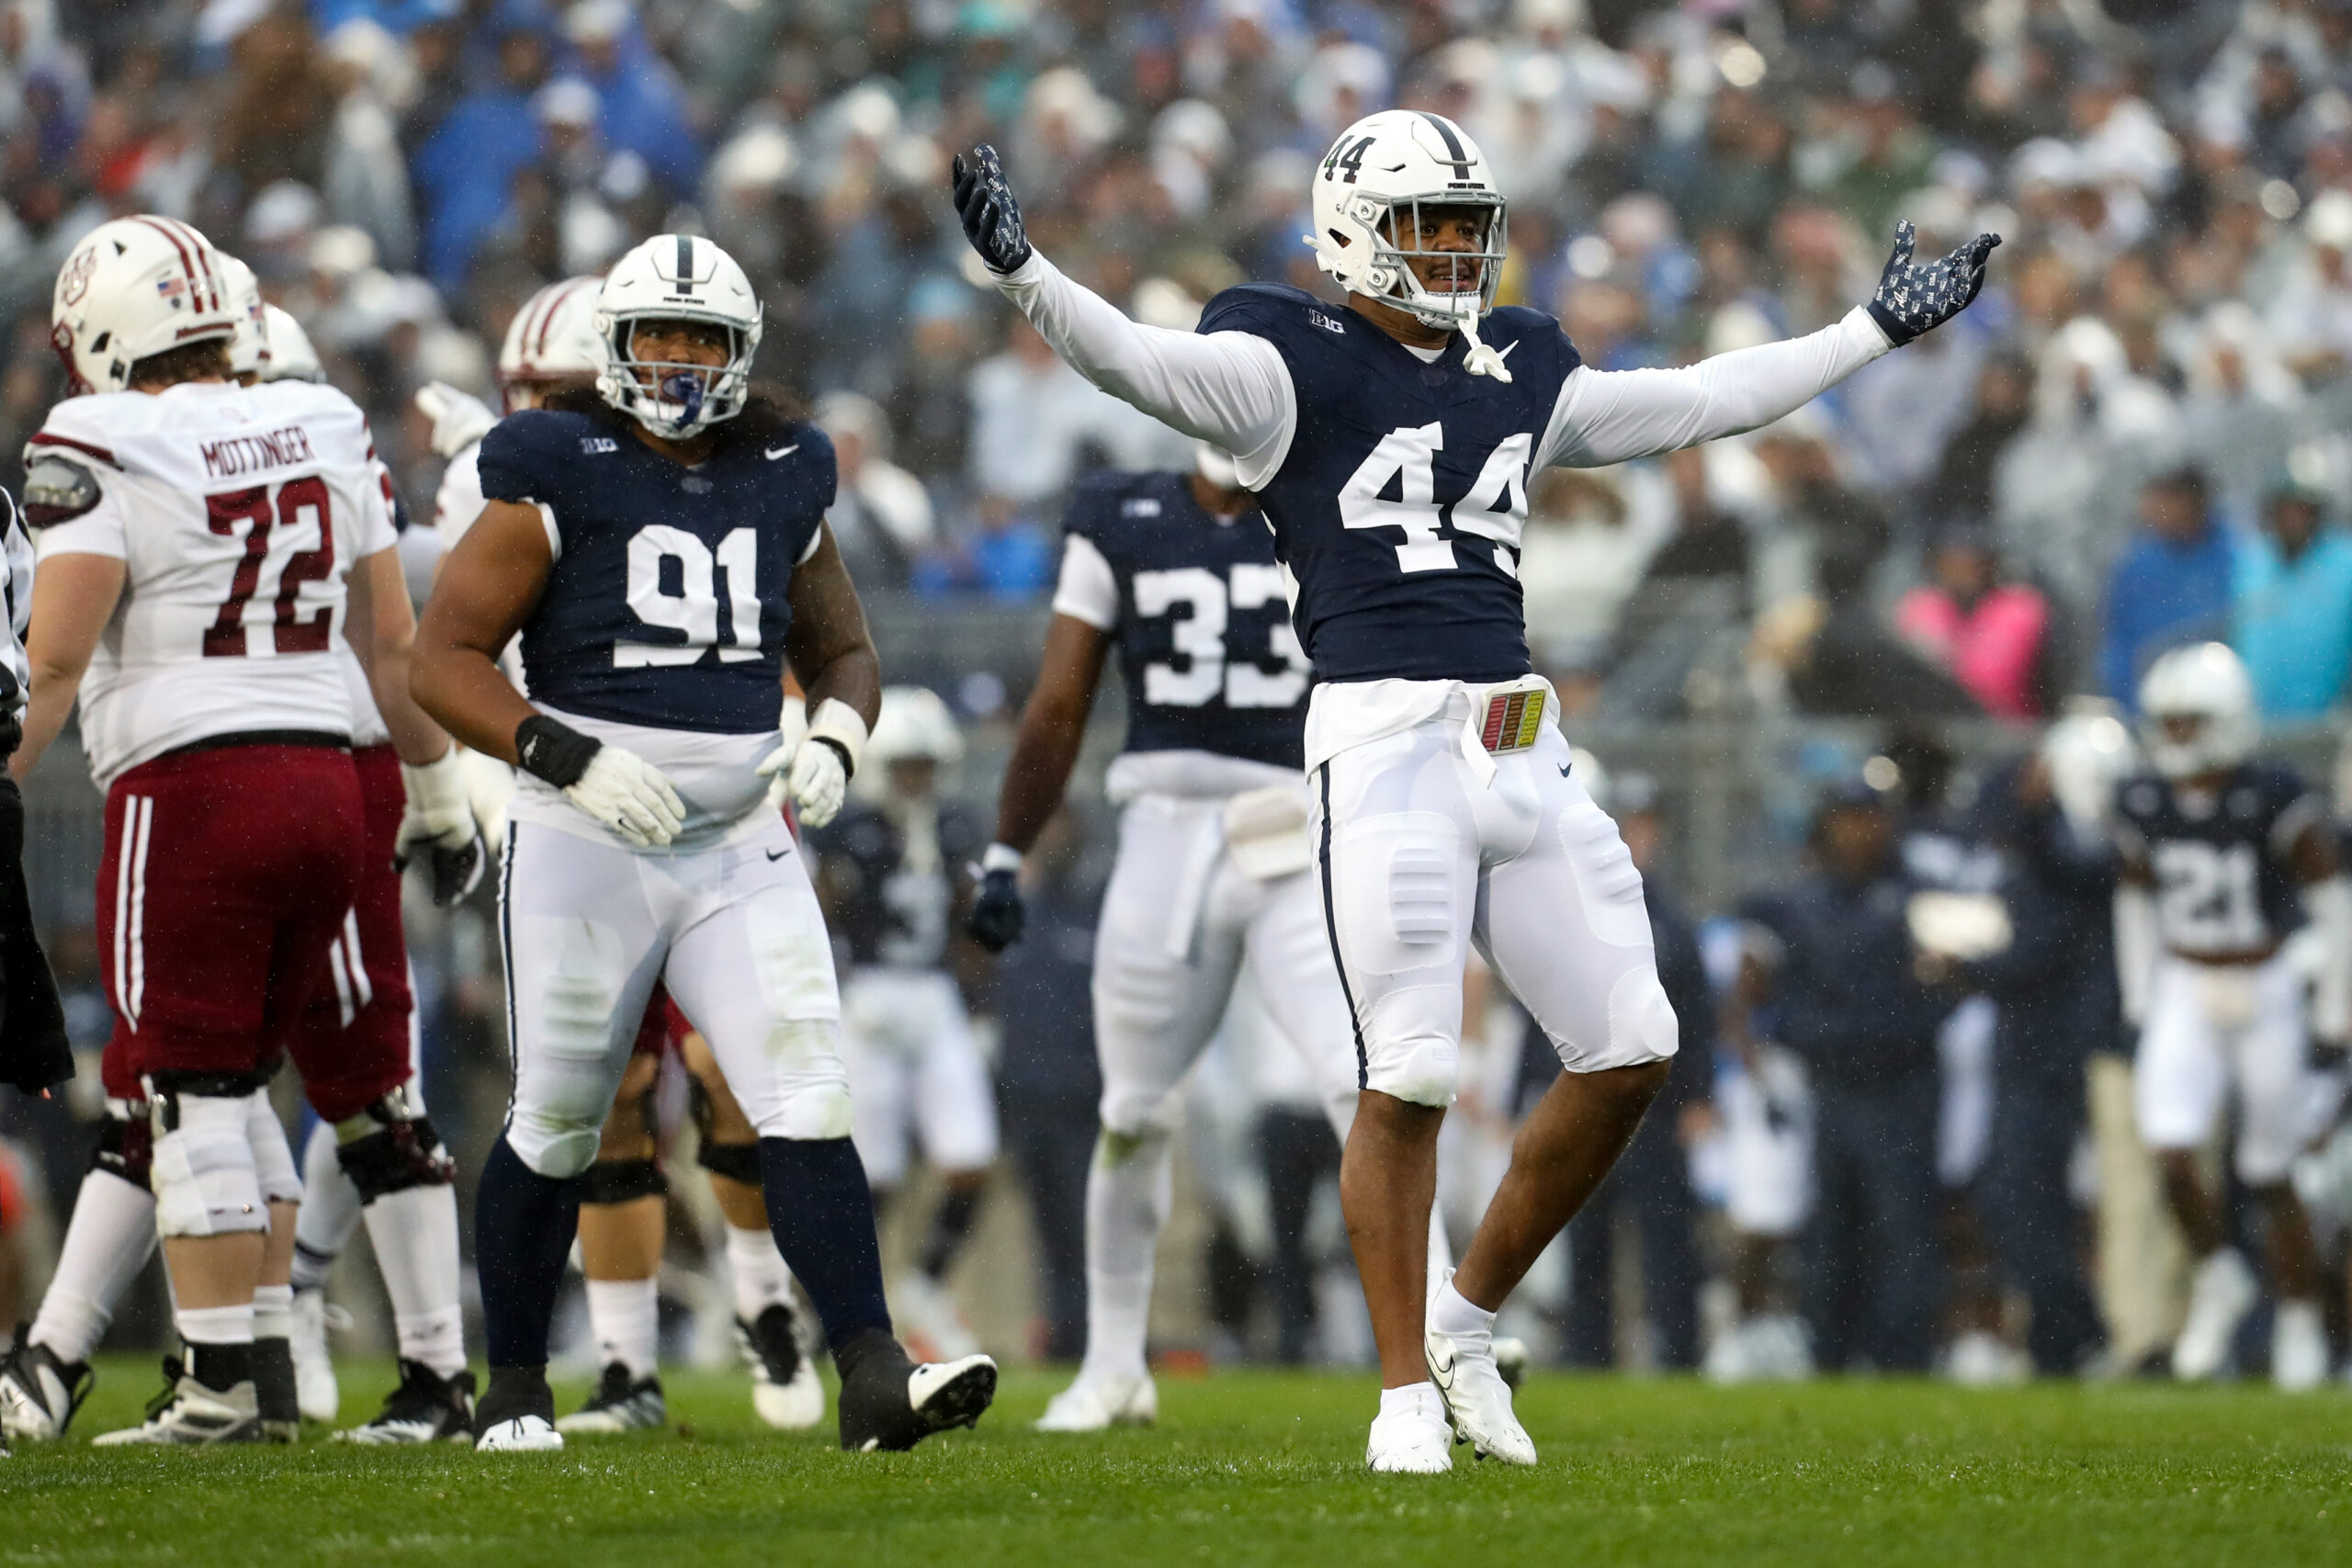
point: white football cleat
(1477, 1401)
(524, 1434)
(1979, 1359)
(785, 1391)
(2224, 1293)
(38, 1394)
(316, 1392)
(1094, 1404)
(2299, 1351)
(1412, 1441)
(188, 1414)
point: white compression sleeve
(2135, 948)
(1230, 389)
(2329, 904)
(1613, 416)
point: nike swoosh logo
(774, 855)
(1440, 1373)
(1564, 769)
(1505, 353)
(773, 453)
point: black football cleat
(890, 1402)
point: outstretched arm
(1611, 416)
(1228, 388)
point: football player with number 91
(1390, 441)
(659, 545)
(2223, 857)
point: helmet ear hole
(1338, 239)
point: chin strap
(1482, 360)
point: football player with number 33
(1390, 441)
(660, 547)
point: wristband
(838, 724)
(550, 750)
(999, 857)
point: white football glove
(459, 419)
(811, 775)
(816, 769)
(628, 795)
(489, 789)
(440, 820)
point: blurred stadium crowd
(2137, 438)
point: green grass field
(1261, 1468)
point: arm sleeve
(1231, 389)
(1613, 416)
(2135, 948)
(2329, 904)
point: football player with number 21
(661, 549)
(1390, 441)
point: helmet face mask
(1383, 197)
(676, 278)
(2198, 708)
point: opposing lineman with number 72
(1390, 441)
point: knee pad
(402, 1153)
(275, 1172)
(205, 1176)
(622, 1182)
(811, 1100)
(737, 1162)
(126, 1147)
(1411, 1049)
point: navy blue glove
(992, 218)
(1912, 298)
(996, 914)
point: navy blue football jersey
(884, 905)
(1205, 645)
(1400, 504)
(2219, 860)
(667, 605)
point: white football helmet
(914, 725)
(249, 350)
(1368, 193)
(552, 338)
(134, 287)
(2197, 711)
(2087, 754)
(677, 278)
(292, 357)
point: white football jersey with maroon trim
(238, 512)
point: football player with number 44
(660, 548)
(1390, 441)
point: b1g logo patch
(74, 281)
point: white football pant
(733, 930)
(913, 1064)
(2213, 1029)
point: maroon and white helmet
(132, 288)
(249, 349)
(552, 338)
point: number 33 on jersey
(239, 511)
(667, 604)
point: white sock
(216, 1326)
(330, 1211)
(108, 1242)
(626, 1315)
(1454, 1312)
(273, 1311)
(1127, 1205)
(761, 1280)
(414, 1233)
(1414, 1398)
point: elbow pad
(2329, 904)
(2136, 945)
